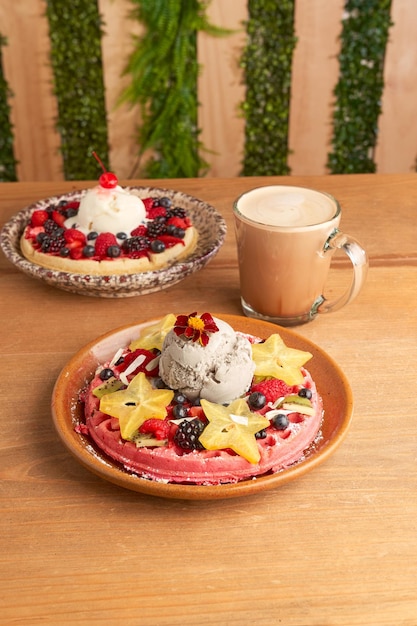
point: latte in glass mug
(286, 237)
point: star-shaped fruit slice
(135, 404)
(234, 427)
(153, 336)
(274, 358)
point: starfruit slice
(153, 336)
(234, 427)
(274, 358)
(135, 404)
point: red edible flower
(196, 328)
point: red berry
(157, 427)
(170, 241)
(39, 218)
(75, 237)
(148, 202)
(58, 218)
(178, 222)
(108, 180)
(139, 231)
(273, 389)
(153, 212)
(103, 243)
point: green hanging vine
(164, 71)
(266, 62)
(358, 92)
(75, 33)
(7, 160)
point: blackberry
(52, 244)
(187, 434)
(136, 244)
(156, 228)
(177, 212)
(51, 227)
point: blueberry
(179, 398)
(261, 434)
(165, 202)
(121, 236)
(257, 400)
(40, 237)
(305, 393)
(106, 373)
(88, 251)
(179, 411)
(64, 252)
(92, 235)
(280, 421)
(113, 251)
(157, 246)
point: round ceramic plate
(208, 222)
(67, 413)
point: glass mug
(286, 237)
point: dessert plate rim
(331, 383)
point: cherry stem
(99, 161)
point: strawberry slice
(58, 218)
(170, 240)
(39, 218)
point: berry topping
(39, 218)
(272, 389)
(104, 241)
(158, 427)
(188, 433)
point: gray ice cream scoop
(219, 372)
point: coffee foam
(287, 207)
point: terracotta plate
(209, 223)
(67, 413)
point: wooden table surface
(336, 547)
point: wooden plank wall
(220, 89)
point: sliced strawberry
(39, 218)
(157, 211)
(72, 234)
(58, 218)
(170, 241)
(75, 253)
(178, 222)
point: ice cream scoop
(109, 210)
(220, 371)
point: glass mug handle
(359, 260)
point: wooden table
(336, 547)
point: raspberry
(139, 231)
(39, 218)
(103, 242)
(273, 389)
(159, 428)
(186, 437)
(156, 211)
(148, 202)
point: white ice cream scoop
(109, 210)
